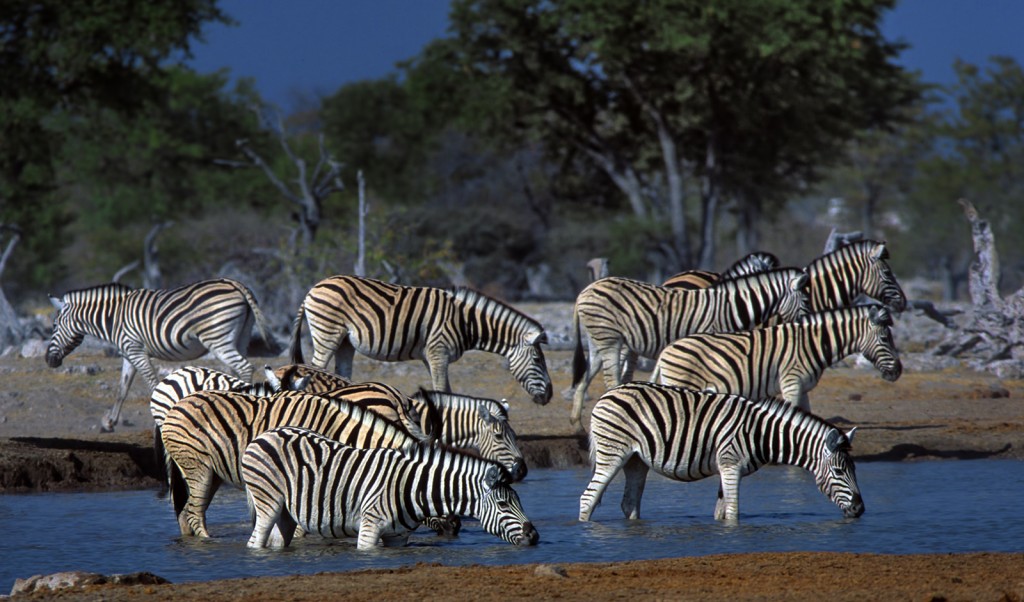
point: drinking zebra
(298, 478)
(785, 361)
(754, 263)
(394, 323)
(179, 324)
(185, 381)
(688, 435)
(477, 423)
(836, 279)
(206, 433)
(466, 422)
(642, 319)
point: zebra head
(81, 312)
(878, 346)
(65, 337)
(835, 474)
(795, 302)
(497, 441)
(501, 513)
(527, 364)
(879, 281)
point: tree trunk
(709, 206)
(11, 332)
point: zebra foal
(640, 319)
(298, 478)
(394, 323)
(784, 361)
(687, 436)
(179, 324)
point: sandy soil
(49, 441)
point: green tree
(672, 99)
(62, 59)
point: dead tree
(11, 332)
(310, 188)
(994, 329)
(152, 278)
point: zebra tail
(579, 357)
(178, 487)
(296, 345)
(161, 461)
(432, 418)
(261, 320)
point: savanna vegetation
(664, 135)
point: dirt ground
(49, 441)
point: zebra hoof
(107, 425)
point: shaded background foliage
(665, 135)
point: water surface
(912, 507)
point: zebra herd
(316, 452)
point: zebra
(175, 325)
(754, 263)
(861, 267)
(477, 423)
(785, 361)
(465, 422)
(298, 478)
(641, 319)
(187, 380)
(688, 435)
(393, 323)
(205, 435)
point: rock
(549, 570)
(57, 581)
(33, 348)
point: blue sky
(311, 47)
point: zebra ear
(879, 316)
(800, 282)
(485, 413)
(537, 338)
(496, 476)
(880, 252)
(849, 434)
(57, 302)
(504, 403)
(833, 440)
(272, 379)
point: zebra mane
(457, 400)
(839, 314)
(450, 456)
(103, 291)
(800, 419)
(858, 249)
(492, 308)
(774, 276)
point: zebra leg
(225, 351)
(113, 416)
(437, 361)
(606, 465)
(284, 530)
(728, 505)
(202, 484)
(635, 471)
(267, 515)
(370, 529)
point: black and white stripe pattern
(395, 323)
(296, 477)
(688, 435)
(175, 325)
(784, 361)
(861, 267)
(206, 433)
(477, 423)
(754, 263)
(641, 319)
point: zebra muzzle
(529, 537)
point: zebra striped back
(786, 360)
(477, 423)
(687, 435)
(206, 433)
(179, 324)
(754, 263)
(316, 380)
(389, 322)
(837, 278)
(185, 381)
(642, 319)
(298, 477)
